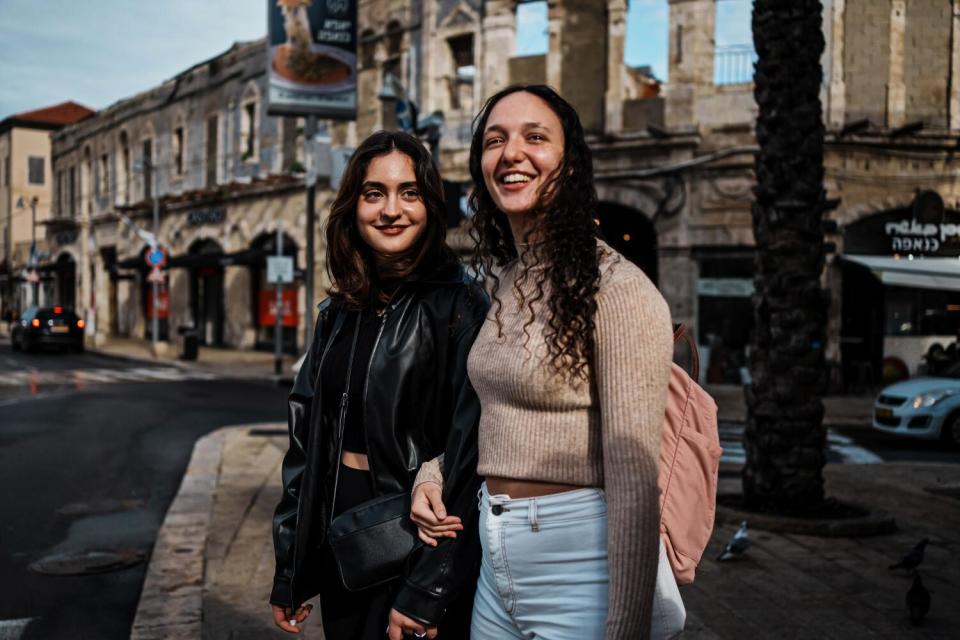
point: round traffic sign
(156, 257)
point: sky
(96, 52)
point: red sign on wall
(268, 303)
(163, 304)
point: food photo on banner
(312, 58)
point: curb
(171, 602)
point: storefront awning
(247, 257)
(920, 273)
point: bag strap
(680, 333)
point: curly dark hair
(358, 275)
(565, 217)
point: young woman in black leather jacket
(403, 311)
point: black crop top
(334, 372)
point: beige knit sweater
(605, 433)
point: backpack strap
(680, 333)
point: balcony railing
(733, 64)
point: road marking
(13, 629)
(101, 376)
(845, 447)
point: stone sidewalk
(211, 569)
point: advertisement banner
(163, 304)
(268, 307)
(312, 58)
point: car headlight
(931, 398)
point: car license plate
(884, 413)
(60, 329)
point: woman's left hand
(401, 626)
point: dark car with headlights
(48, 326)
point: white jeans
(544, 571)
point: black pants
(361, 615)
(364, 615)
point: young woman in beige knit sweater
(571, 367)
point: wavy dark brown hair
(357, 273)
(567, 246)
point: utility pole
(278, 310)
(155, 320)
(311, 183)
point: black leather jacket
(418, 404)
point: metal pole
(33, 250)
(311, 131)
(278, 310)
(155, 320)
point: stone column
(578, 28)
(838, 88)
(691, 58)
(498, 36)
(616, 35)
(896, 88)
(556, 12)
(954, 97)
(85, 270)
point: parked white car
(927, 408)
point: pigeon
(913, 559)
(737, 545)
(918, 600)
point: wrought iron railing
(733, 64)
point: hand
(430, 516)
(401, 625)
(282, 617)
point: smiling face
(391, 214)
(523, 146)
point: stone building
(224, 174)
(673, 160)
(25, 197)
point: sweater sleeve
(430, 471)
(632, 356)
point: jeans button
(497, 509)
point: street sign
(156, 257)
(155, 275)
(279, 269)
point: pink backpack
(689, 466)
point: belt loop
(532, 515)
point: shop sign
(163, 304)
(898, 232)
(65, 237)
(268, 305)
(206, 216)
(312, 58)
(910, 236)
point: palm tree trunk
(784, 436)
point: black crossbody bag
(370, 541)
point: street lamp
(32, 260)
(147, 168)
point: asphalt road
(92, 450)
